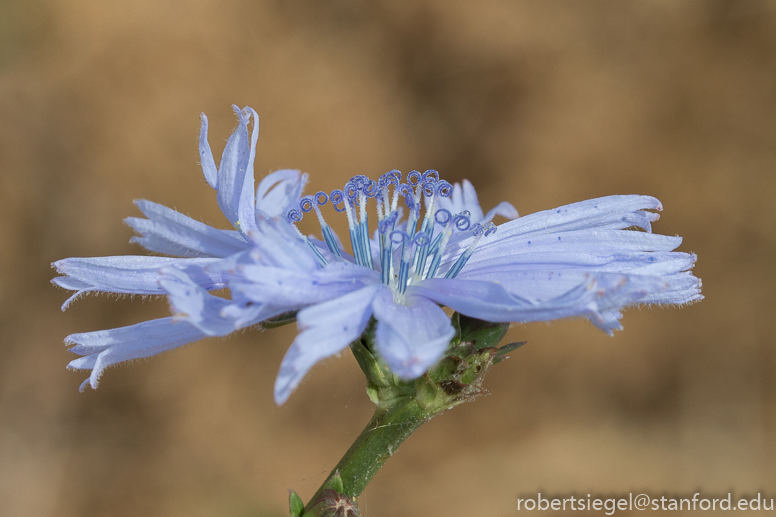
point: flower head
(583, 259)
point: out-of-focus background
(541, 103)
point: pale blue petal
(108, 347)
(567, 244)
(247, 314)
(195, 305)
(233, 174)
(617, 291)
(601, 214)
(487, 301)
(276, 243)
(633, 262)
(411, 337)
(491, 301)
(592, 213)
(683, 288)
(638, 219)
(206, 155)
(285, 286)
(454, 203)
(213, 315)
(130, 274)
(608, 320)
(279, 192)
(247, 205)
(503, 209)
(535, 284)
(470, 202)
(172, 233)
(659, 264)
(325, 329)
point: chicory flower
(581, 260)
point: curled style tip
(294, 215)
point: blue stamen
(479, 232)
(430, 176)
(462, 221)
(294, 216)
(308, 204)
(337, 197)
(331, 241)
(432, 188)
(384, 228)
(418, 245)
(355, 240)
(404, 264)
(317, 252)
(368, 190)
(440, 242)
(328, 235)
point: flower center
(409, 251)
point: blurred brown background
(541, 103)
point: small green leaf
(511, 347)
(295, 504)
(335, 483)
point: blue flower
(580, 260)
(196, 246)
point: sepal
(478, 333)
(504, 350)
(334, 483)
(295, 504)
(428, 394)
(375, 372)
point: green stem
(402, 407)
(387, 429)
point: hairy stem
(403, 406)
(387, 429)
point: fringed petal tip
(86, 363)
(607, 321)
(207, 161)
(61, 282)
(73, 297)
(84, 384)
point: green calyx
(402, 406)
(455, 379)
